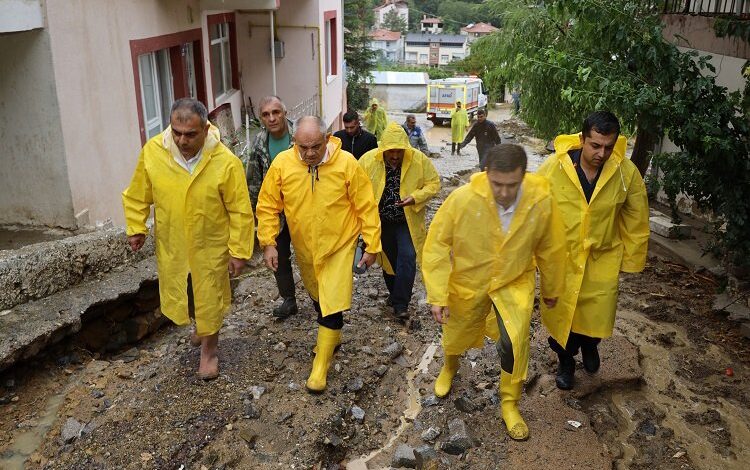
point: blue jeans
(399, 249)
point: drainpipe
(273, 53)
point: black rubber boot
(286, 309)
(590, 355)
(566, 367)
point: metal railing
(734, 8)
(307, 107)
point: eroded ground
(672, 392)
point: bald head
(310, 139)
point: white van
(443, 94)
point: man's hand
(136, 241)
(235, 266)
(367, 259)
(550, 302)
(271, 257)
(440, 314)
(407, 201)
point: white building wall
(34, 179)
(96, 90)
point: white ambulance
(443, 94)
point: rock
(429, 435)
(745, 330)
(404, 457)
(251, 412)
(285, 417)
(647, 428)
(71, 430)
(257, 391)
(358, 413)
(279, 346)
(366, 350)
(333, 440)
(662, 225)
(381, 370)
(464, 404)
(431, 400)
(96, 393)
(293, 386)
(459, 440)
(426, 457)
(354, 385)
(393, 350)
(125, 374)
(249, 437)
(130, 355)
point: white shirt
(506, 215)
(189, 164)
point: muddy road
(672, 392)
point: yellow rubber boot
(510, 394)
(328, 339)
(445, 378)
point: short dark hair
(184, 107)
(481, 111)
(506, 158)
(351, 116)
(603, 122)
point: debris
(430, 434)
(393, 350)
(71, 430)
(679, 454)
(460, 440)
(249, 437)
(257, 391)
(729, 372)
(426, 457)
(357, 413)
(381, 370)
(280, 346)
(464, 404)
(431, 400)
(354, 385)
(404, 457)
(572, 425)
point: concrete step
(28, 328)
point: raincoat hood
(374, 101)
(394, 137)
(566, 142)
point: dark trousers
(504, 346)
(334, 321)
(575, 342)
(399, 249)
(284, 276)
(453, 147)
(482, 151)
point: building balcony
(727, 8)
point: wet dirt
(662, 399)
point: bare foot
(209, 366)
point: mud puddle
(687, 413)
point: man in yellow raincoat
(604, 205)
(375, 118)
(203, 222)
(459, 123)
(479, 257)
(404, 180)
(328, 202)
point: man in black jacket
(486, 134)
(354, 139)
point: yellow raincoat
(200, 220)
(469, 263)
(326, 209)
(375, 122)
(606, 236)
(459, 123)
(419, 179)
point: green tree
(392, 21)
(571, 57)
(360, 59)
